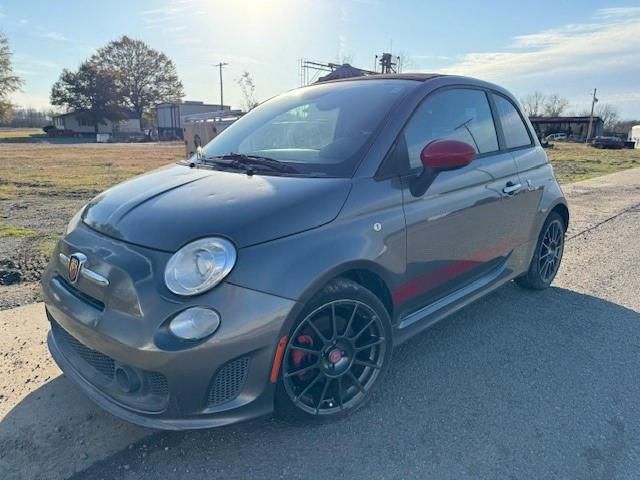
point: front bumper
(98, 333)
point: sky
(558, 46)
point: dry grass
(16, 133)
(574, 161)
(7, 230)
(77, 169)
(42, 185)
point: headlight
(199, 266)
(75, 220)
(195, 323)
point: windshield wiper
(254, 160)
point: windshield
(320, 130)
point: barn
(576, 127)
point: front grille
(101, 362)
(228, 381)
(94, 302)
(156, 382)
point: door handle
(511, 188)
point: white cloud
(429, 57)
(169, 13)
(233, 58)
(27, 100)
(59, 37)
(610, 41)
(23, 21)
(617, 12)
(23, 60)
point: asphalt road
(519, 385)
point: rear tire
(337, 353)
(547, 256)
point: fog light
(195, 323)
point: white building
(634, 135)
(170, 116)
(73, 121)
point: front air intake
(228, 382)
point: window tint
(515, 131)
(457, 114)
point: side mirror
(440, 156)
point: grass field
(573, 161)
(14, 134)
(42, 185)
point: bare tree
(624, 126)
(607, 112)
(609, 115)
(248, 89)
(533, 104)
(555, 105)
(9, 82)
(143, 76)
(91, 92)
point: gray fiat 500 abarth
(278, 268)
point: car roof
(418, 77)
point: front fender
(369, 234)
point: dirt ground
(43, 184)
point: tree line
(9, 81)
(124, 79)
(538, 104)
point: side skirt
(415, 322)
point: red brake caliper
(300, 358)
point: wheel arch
(563, 211)
(366, 273)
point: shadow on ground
(519, 385)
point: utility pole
(220, 65)
(593, 105)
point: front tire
(336, 354)
(547, 256)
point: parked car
(556, 136)
(607, 142)
(317, 232)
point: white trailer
(201, 128)
(634, 135)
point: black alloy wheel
(336, 353)
(551, 250)
(547, 256)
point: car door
(533, 168)
(459, 230)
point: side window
(457, 114)
(514, 129)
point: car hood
(169, 207)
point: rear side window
(514, 129)
(456, 114)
